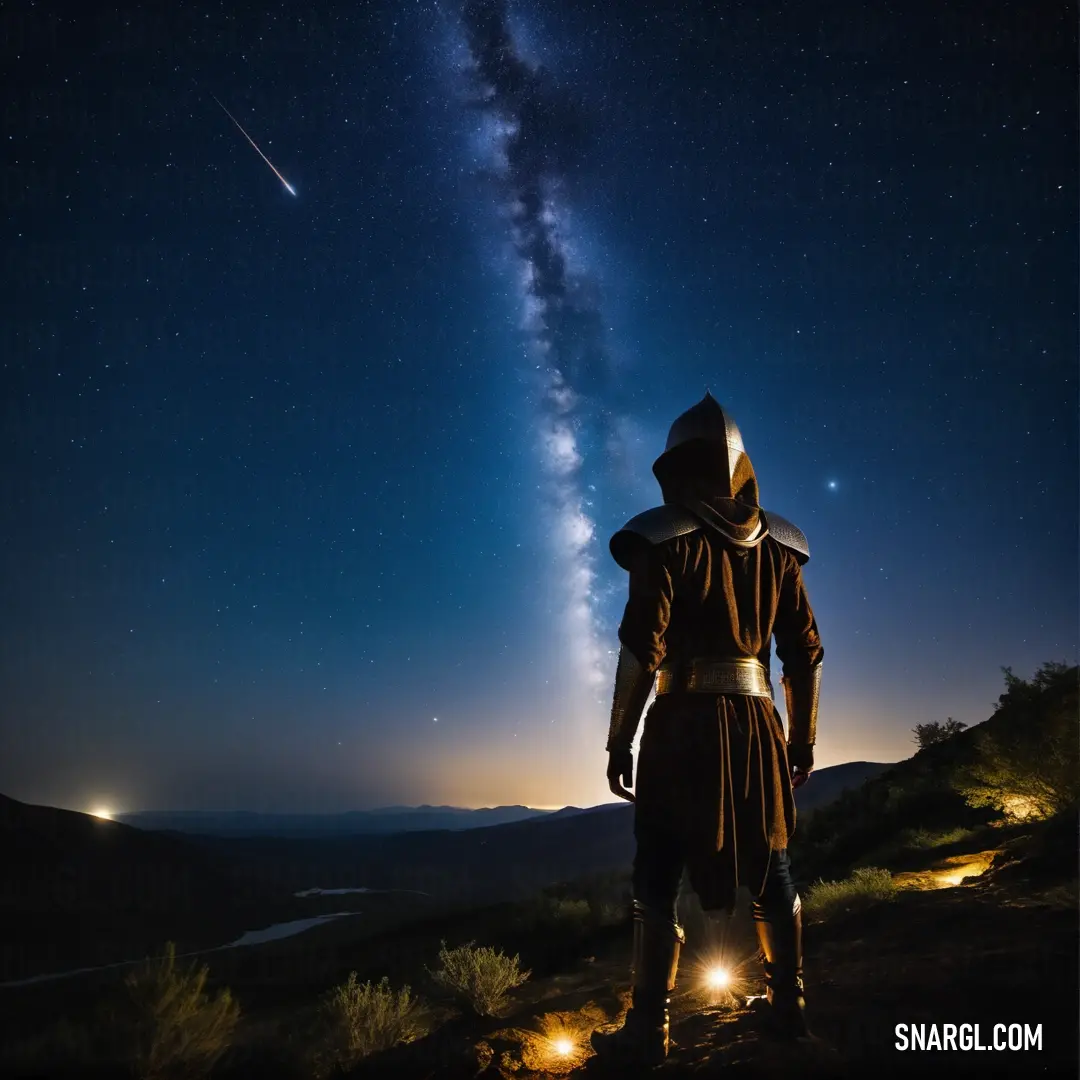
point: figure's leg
(658, 938)
(778, 919)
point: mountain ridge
(241, 824)
(826, 784)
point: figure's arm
(642, 649)
(632, 686)
(798, 645)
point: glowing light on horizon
(102, 812)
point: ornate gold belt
(704, 675)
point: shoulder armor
(654, 527)
(783, 532)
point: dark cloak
(713, 770)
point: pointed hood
(705, 469)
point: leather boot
(780, 934)
(644, 1037)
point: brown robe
(713, 770)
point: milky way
(540, 135)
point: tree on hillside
(936, 732)
(1051, 675)
(1027, 759)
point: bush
(480, 977)
(589, 903)
(1027, 759)
(365, 1018)
(927, 840)
(175, 1029)
(910, 846)
(867, 885)
(555, 912)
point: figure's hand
(620, 772)
(801, 760)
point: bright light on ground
(564, 1047)
(718, 978)
(947, 873)
(101, 812)
(1020, 807)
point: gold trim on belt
(704, 675)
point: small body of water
(334, 892)
(285, 929)
(342, 892)
(251, 937)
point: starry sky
(308, 488)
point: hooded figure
(713, 578)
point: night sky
(307, 496)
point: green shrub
(563, 912)
(1027, 759)
(482, 978)
(866, 886)
(365, 1018)
(928, 840)
(174, 1027)
(567, 921)
(909, 847)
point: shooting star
(288, 187)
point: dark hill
(827, 785)
(497, 862)
(64, 861)
(77, 890)
(1034, 730)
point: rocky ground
(997, 949)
